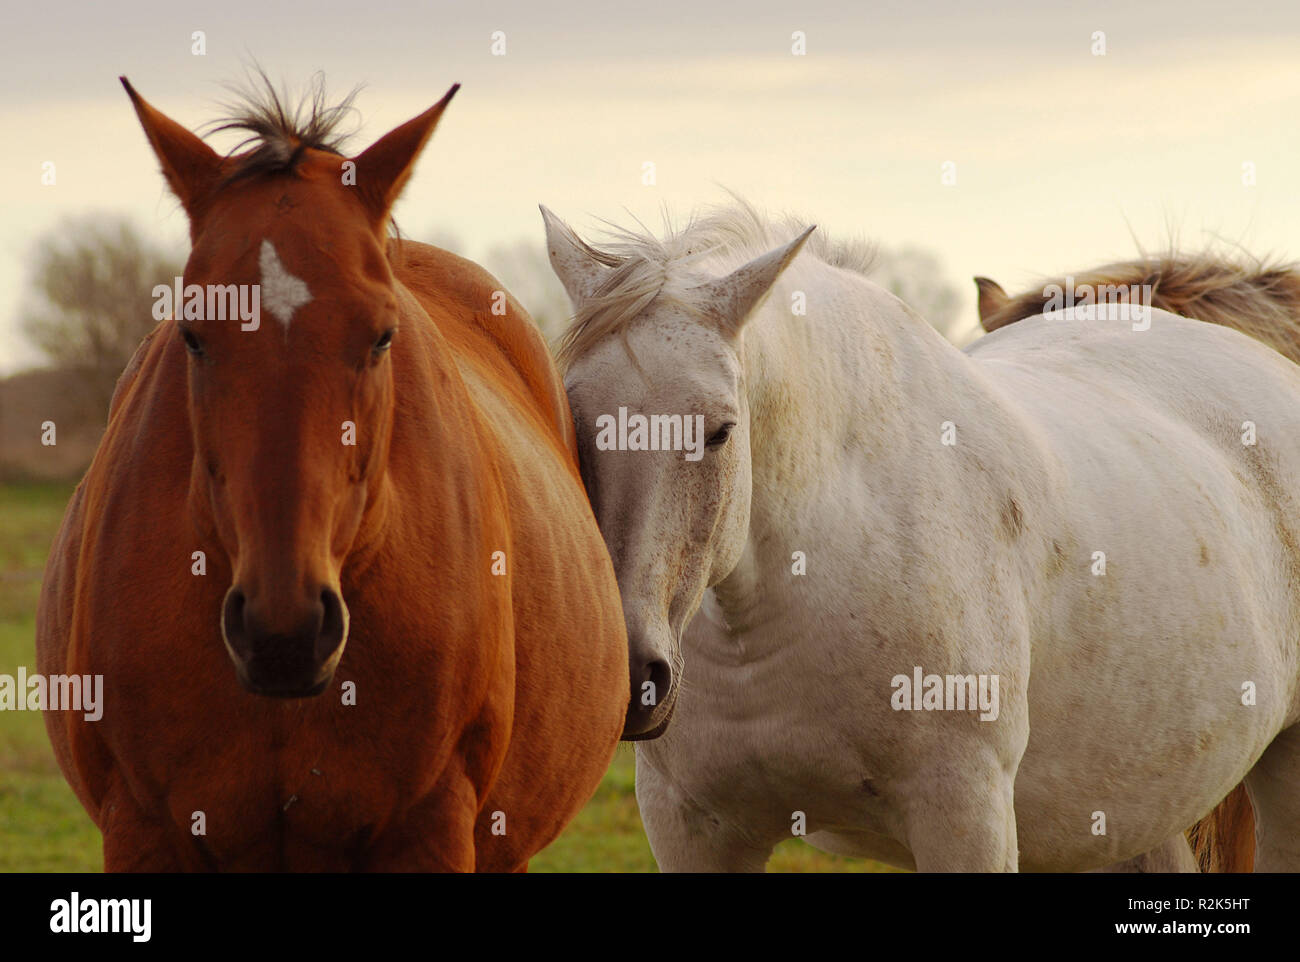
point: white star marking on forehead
(282, 293)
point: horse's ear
(571, 259)
(732, 299)
(190, 166)
(992, 298)
(386, 165)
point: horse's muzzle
(295, 657)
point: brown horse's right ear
(992, 298)
(190, 166)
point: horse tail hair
(1224, 840)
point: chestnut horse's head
(289, 315)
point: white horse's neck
(847, 408)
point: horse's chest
(773, 744)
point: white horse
(1089, 533)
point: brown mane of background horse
(1262, 300)
(475, 693)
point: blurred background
(1014, 139)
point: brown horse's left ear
(191, 167)
(992, 298)
(385, 166)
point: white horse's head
(656, 383)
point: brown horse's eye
(385, 341)
(191, 342)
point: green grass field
(44, 829)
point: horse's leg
(685, 837)
(436, 835)
(1274, 785)
(1175, 855)
(135, 841)
(962, 820)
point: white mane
(645, 267)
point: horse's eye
(719, 437)
(191, 342)
(385, 341)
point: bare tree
(916, 278)
(90, 300)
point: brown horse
(335, 563)
(1259, 299)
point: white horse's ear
(732, 299)
(571, 259)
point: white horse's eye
(719, 437)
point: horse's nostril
(656, 685)
(651, 704)
(232, 619)
(333, 623)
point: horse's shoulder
(480, 318)
(430, 270)
(130, 373)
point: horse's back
(1183, 389)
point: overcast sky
(1061, 157)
